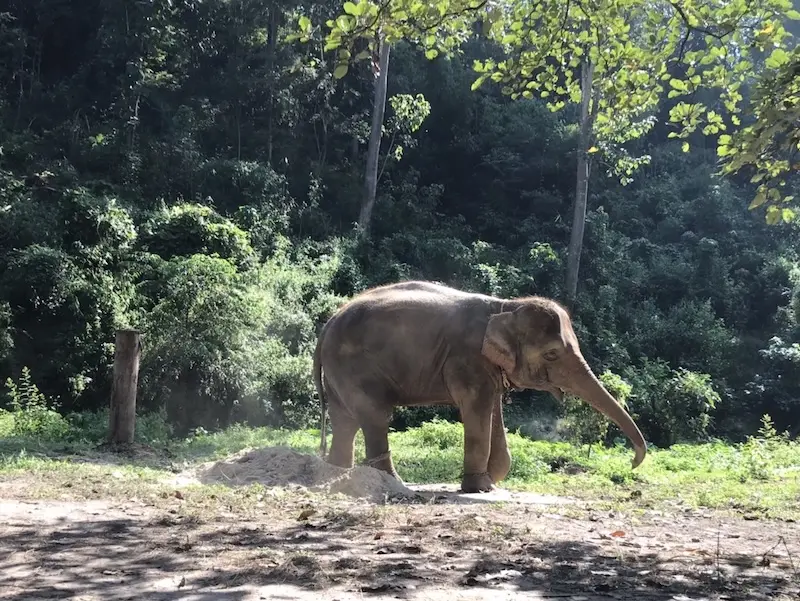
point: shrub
(68, 313)
(759, 450)
(672, 406)
(188, 229)
(582, 423)
(34, 415)
(222, 345)
(92, 426)
(439, 434)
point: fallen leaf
(306, 513)
(380, 587)
(618, 534)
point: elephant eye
(550, 355)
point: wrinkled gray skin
(419, 343)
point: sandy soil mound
(285, 467)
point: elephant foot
(385, 464)
(482, 482)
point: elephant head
(533, 342)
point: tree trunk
(581, 184)
(374, 148)
(122, 418)
(272, 45)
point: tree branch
(685, 18)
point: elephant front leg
(499, 455)
(477, 446)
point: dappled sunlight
(101, 548)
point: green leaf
(774, 214)
(477, 83)
(304, 22)
(340, 70)
(344, 22)
(685, 146)
(431, 53)
(760, 199)
(793, 15)
(351, 9)
(778, 58)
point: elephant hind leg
(374, 418)
(378, 455)
(364, 407)
(344, 427)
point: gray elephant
(420, 343)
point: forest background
(180, 168)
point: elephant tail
(323, 447)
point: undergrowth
(759, 476)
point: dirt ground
(442, 545)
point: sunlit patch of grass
(759, 478)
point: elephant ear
(498, 343)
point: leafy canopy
(639, 50)
(769, 145)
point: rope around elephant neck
(507, 388)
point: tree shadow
(173, 556)
(104, 559)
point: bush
(92, 426)
(775, 389)
(188, 229)
(672, 406)
(66, 313)
(34, 415)
(759, 450)
(583, 424)
(439, 434)
(222, 345)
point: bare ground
(187, 543)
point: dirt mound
(285, 467)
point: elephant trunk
(591, 390)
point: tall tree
(625, 52)
(614, 58)
(381, 72)
(376, 27)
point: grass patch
(759, 478)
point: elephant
(424, 343)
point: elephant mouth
(545, 385)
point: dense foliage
(179, 168)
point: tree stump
(122, 418)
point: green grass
(759, 479)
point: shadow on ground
(106, 554)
